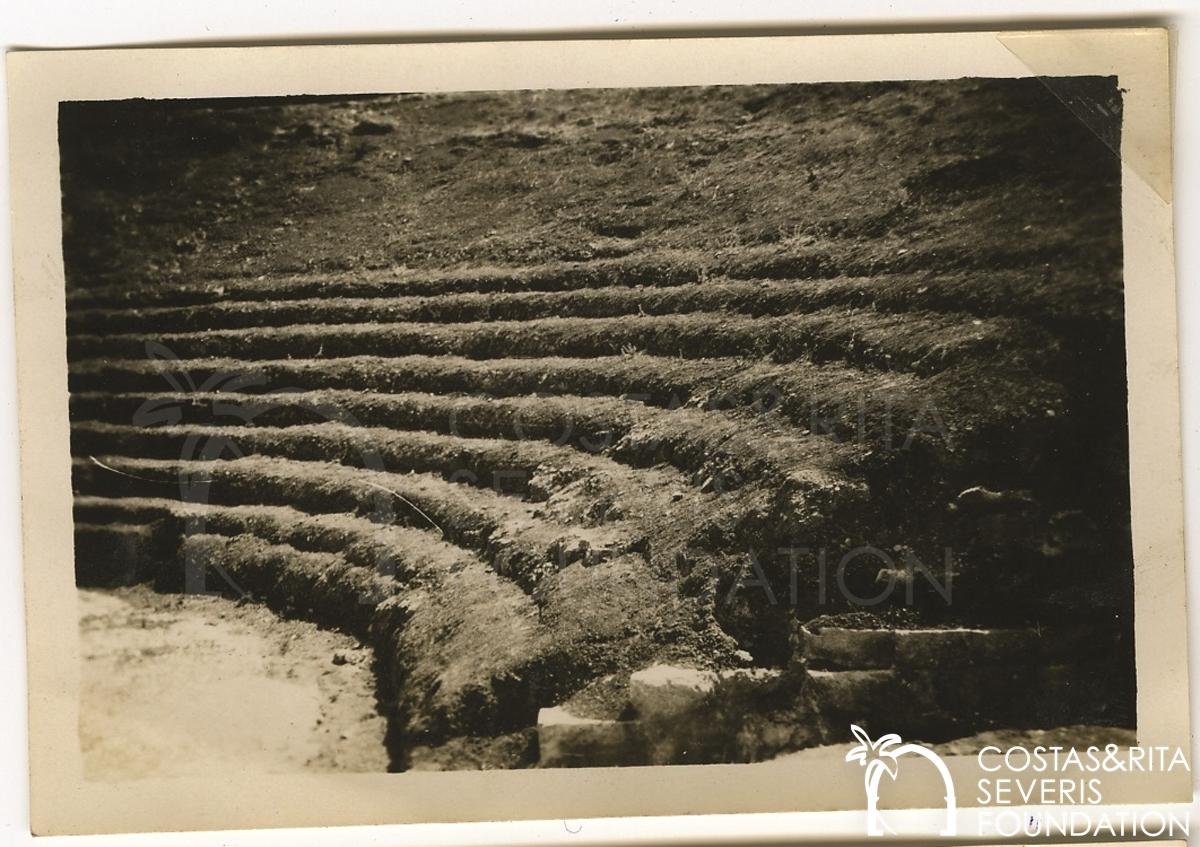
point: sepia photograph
(559, 427)
(596, 427)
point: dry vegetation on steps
(512, 386)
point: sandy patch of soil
(183, 685)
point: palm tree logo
(881, 757)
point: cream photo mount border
(64, 803)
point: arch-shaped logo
(881, 757)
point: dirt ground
(184, 685)
(162, 193)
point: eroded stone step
(888, 681)
(668, 714)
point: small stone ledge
(848, 694)
(567, 740)
(933, 684)
(832, 648)
(848, 649)
(679, 715)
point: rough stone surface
(850, 693)
(668, 691)
(932, 648)
(696, 716)
(847, 649)
(680, 716)
(567, 740)
(885, 680)
(836, 699)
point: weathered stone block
(667, 690)
(835, 699)
(567, 740)
(852, 694)
(848, 649)
(696, 716)
(765, 736)
(932, 648)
